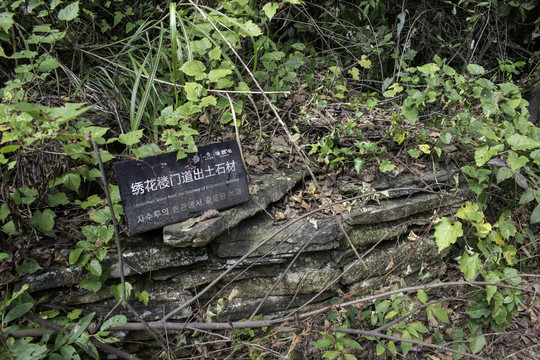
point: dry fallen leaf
(278, 216)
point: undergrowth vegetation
(87, 83)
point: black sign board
(161, 190)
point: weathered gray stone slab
(401, 208)
(250, 234)
(265, 190)
(384, 258)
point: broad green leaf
(406, 346)
(147, 150)
(117, 320)
(92, 284)
(491, 289)
(270, 10)
(59, 198)
(94, 267)
(4, 212)
(6, 22)
(506, 225)
(419, 327)
(331, 354)
(93, 200)
(447, 233)
(249, 28)
(380, 349)
(68, 112)
(484, 153)
(358, 163)
(193, 68)
(208, 101)
(80, 327)
(48, 64)
(193, 91)
(143, 296)
(355, 73)
(422, 296)
(469, 265)
(70, 12)
(414, 153)
(440, 313)
(74, 255)
(475, 69)
(43, 220)
(478, 342)
(522, 142)
(503, 173)
(217, 74)
(386, 166)
(350, 343)
(516, 162)
(29, 266)
(131, 138)
(470, 212)
(325, 342)
(17, 312)
(3, 256)
(535, 216)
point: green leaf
(516, 162)
(117, 320)
(386, 166)
(535, 216)
(217, 74)
(131, 138)
(43, 221)
(380, 349)
(358, 163)
(193, 68)
(422, 296)
(74, 255)
(325, 342)
(194, 91)
(147, 150)
(484, 153)
(72, 181)
(250, 29)
(92, 284)
(406, 346)
(29, 266)
(418, 327)
(331, 354)
(469, 265)
(48, 64)
(93, 200)
(447, 233)
(143, 296)
(70, 12)
(503, 173)
(470, 212)
(57, 199)
(208, 101)
(478, 343)
(491, 289)
(6, 22)
(80, 327)
(17, 312)
(521, 142)
(3, 256)
(440, 313)
(94, 267)
(4, 212)
(475, 69)
(270, 10)
(350, 343)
